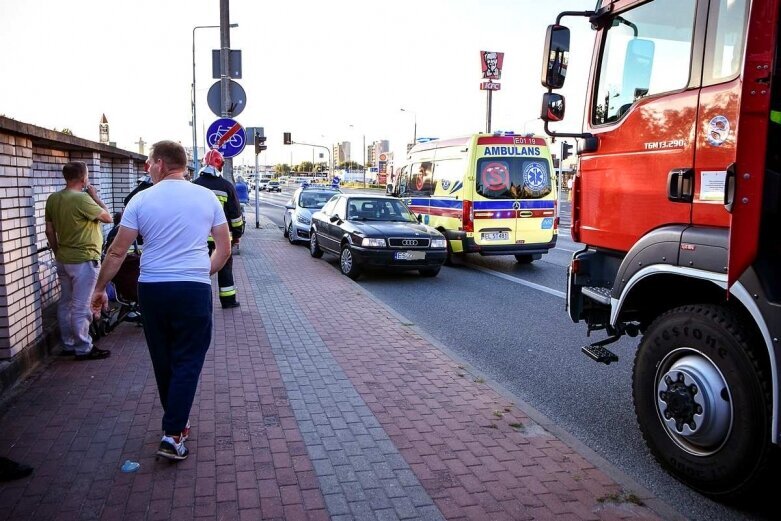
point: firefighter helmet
(214, 158)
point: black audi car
(368, 231)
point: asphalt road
(507, 321)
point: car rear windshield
(360, 209)
(513, 178)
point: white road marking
(505, 276)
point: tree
(282, 168)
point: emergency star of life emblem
(535, 179)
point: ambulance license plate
(409, 255)
(495, 236)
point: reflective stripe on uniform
(775, 116)
(229, 291)
(222, 196)
(237, 222)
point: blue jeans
(74, 316)
(177, 319)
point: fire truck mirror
(552, 107)
(555, 57)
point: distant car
(368, 231)
(299, 210)
(273, 186)
(263, 184)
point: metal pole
(257, 191)
(364, 161)
(225, 44)
(415, 128)
(488, 111)
(195, 135)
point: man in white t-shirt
(174, 288)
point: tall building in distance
(341, 153)
(104, 130)
(374, 150)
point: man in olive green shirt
(73, 217)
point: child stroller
(122, 291)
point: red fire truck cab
(677, 200)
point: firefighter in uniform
(210, 176)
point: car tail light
(468, 217)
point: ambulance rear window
(513, 178)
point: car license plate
(495, 236)
(409, 255)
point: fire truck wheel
(703, 400)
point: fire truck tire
(703, 401)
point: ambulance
(492, 194)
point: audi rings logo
(409, 242)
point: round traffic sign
(238, 98)
(227, 136)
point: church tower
(104, 130)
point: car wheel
(703, 400)
(291, 233)
(347, 263)
(524, 259)
(285, 232)
(314, 248)
(430, 272)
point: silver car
(299, 210)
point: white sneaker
(172, 449)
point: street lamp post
(363, 155)
(195, 131)
(415, 126)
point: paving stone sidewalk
(316, 402)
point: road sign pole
(225, 44)
(257, 190)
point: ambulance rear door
(513, 189)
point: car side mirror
(420, 218)
(289, 206)
(334, 218)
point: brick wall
(31, 160)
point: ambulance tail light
(556, 213)
(468, 217)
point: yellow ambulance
(492, 194)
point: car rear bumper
(470, 246)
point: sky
(325, 71)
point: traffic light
(260, 144)
(566, 150)
(287, 139)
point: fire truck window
(646, 51)
(726, 40)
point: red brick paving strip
(76, 422)
(456, 433)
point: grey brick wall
(31, 160)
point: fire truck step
(598, 294)
(600, 354)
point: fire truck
(677, 201)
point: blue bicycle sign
(227, 136)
